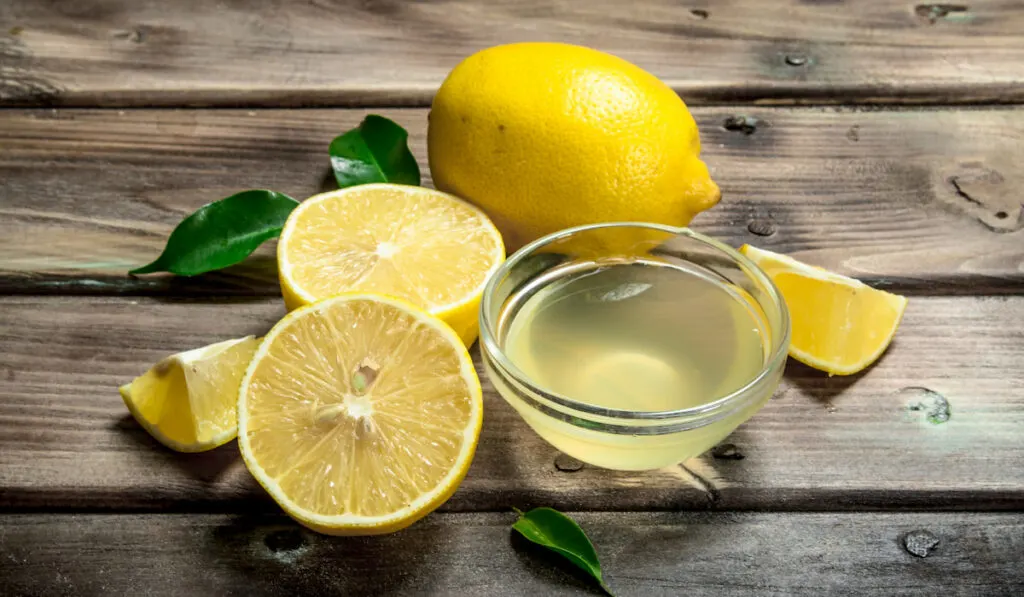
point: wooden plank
(298, 53)
(923, 199)
(696, 554)
(67, 442)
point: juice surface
(637, 337)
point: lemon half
(359, 414)
(417, 244)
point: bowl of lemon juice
(633, 346)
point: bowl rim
(489, 344)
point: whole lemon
(544, 136)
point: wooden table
(880, 139)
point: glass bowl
(611, 437)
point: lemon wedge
(187, 401)
(359, 414)
(840, 325)
(417, 244)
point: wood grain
(67, 442)
(922, 200)
(698, 554)
(387, 52)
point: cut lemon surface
(840, 325)
(359, 414)
(188, 400)
(420, 245)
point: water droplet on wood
(761, 227)
(920, 543)
(741, 124)
(567, 464)
(727, 452)
(935, 406)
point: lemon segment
(187, 401)
(839, 325)
(420, 245)
(359, 414)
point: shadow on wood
(327, 183)
(550, 567)
(205, 467)
(292, 558)
(819, 385)
(237, 280)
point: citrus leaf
(375, 151)
(559, 533)
(222, 233)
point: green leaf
(375, 151)
(222, 233)
(561, 534)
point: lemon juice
(641, 336)
(637, 337)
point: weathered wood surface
(388, 52)
(67, 441)
(698, 554)
(925, 199)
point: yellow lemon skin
(545, 136)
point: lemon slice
(840, 325)
(187, 401)
(359, 414)
(420, 245)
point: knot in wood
(284, 540)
